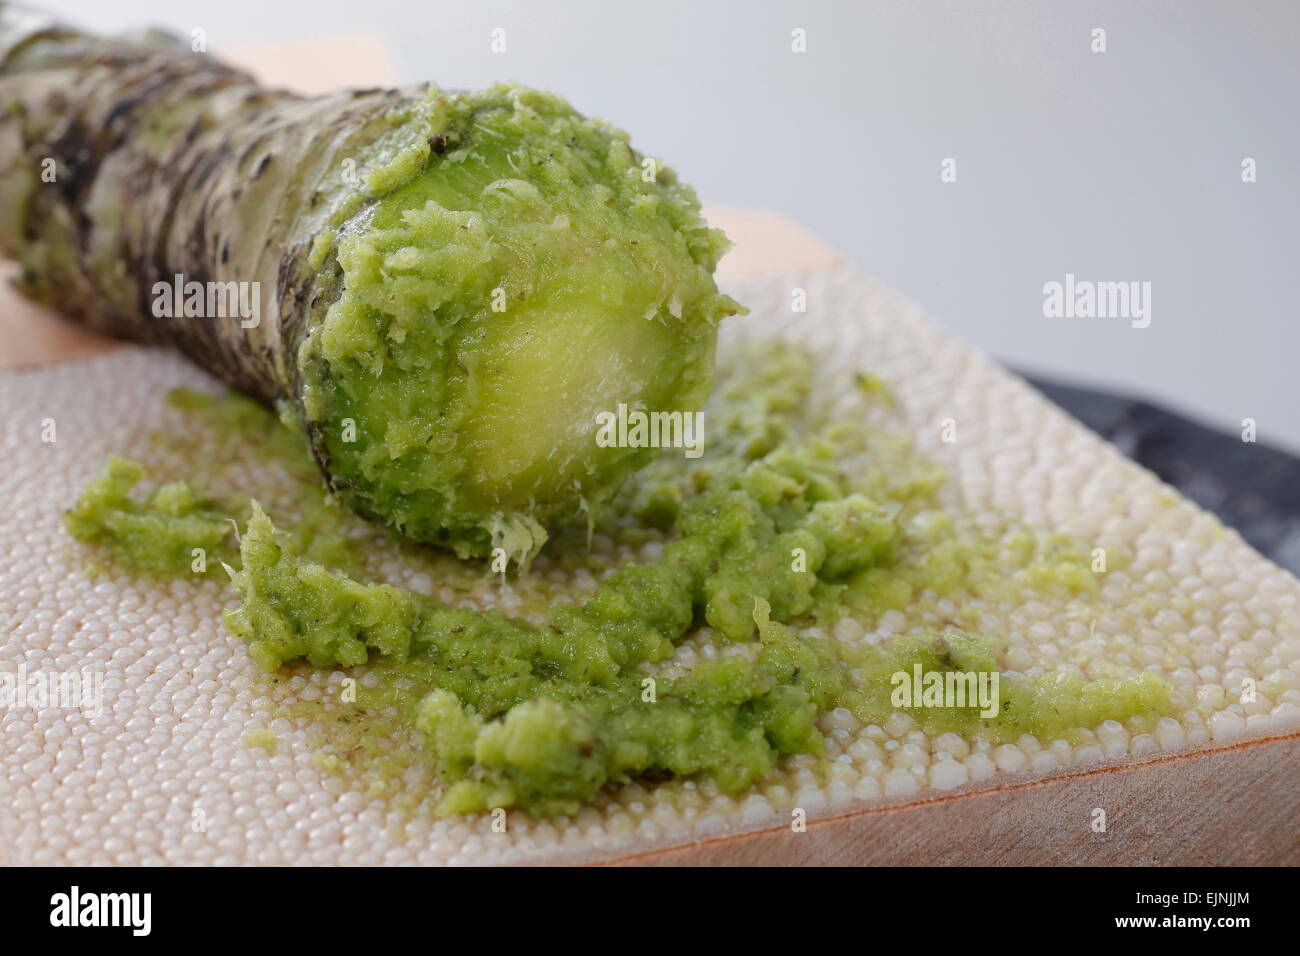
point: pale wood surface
(1234, 806)
(1237, 804)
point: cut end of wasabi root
(523, 271)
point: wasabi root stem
(438, 289)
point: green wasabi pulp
(796, 519)
(168, 534)
(535, 272)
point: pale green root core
(533, 273)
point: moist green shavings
(175, 531)
(795, 519)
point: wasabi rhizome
(454, 292)
(454, 284)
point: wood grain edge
(1237, 805)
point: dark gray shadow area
(1251, 487)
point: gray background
(1116, 166)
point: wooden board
(1232, 804)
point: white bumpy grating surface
(163, 774)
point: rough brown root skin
(168, 162)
